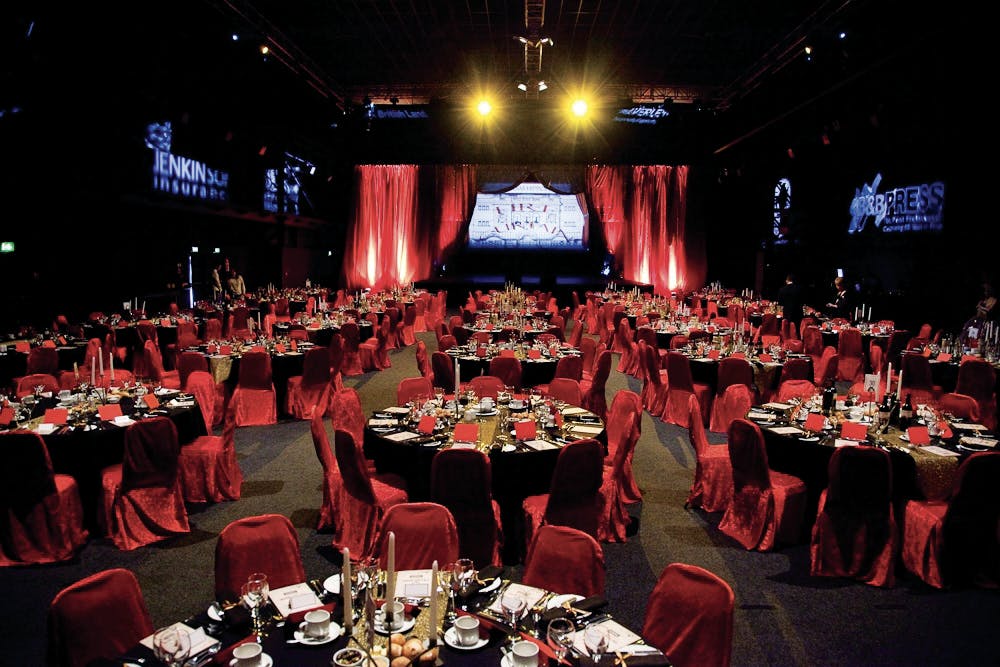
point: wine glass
(596, 641)
(171, 645)
(463, 575)
(513, 606)
(255, 592)
(560, 637)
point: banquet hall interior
(683, 155)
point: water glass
(560, 637)
(171, 645)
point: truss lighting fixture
(522, 86)
(542, 86)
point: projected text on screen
(528, 217)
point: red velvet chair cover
(410, 388)
(394, 331)
(767, 507)
(41, 516)
(508, 369)
(486, 385)
(574, 498)
(796, 369)
(769, 332)
(733, 404)
(654, 385)
(26, 385)
(917, 379)
(423, 360)
(374, 352)
(254, 396)
(960, 405)
(876, 359)
(100, 616)
(201, 385)
(569, 366)
(588, 355)
(690, 617)
(565, 560)
(461, 480)
(812, 341)
(615, 518)
(347, 414)
(239, 323)
(855, 533)
(628, 363)
(142, 499)
(43, 360)
(364, 498)
(576, 334)
(956, 542)
(976, 378)
(420, 307)
(154, 367)
(213, 328)
(265, 543)
(331, 473)
(208, 467)
(311, 390)
(827, 366)
(406, 334)
(336, 361)
(447, 342)
(444, 371)
(625, 403)
(712, 486)
(566, 390)
(425, 532)
(679, 387)
(594, 397)
(351, 364)
(189, 361)
(789, 389)
(281, 311)
(850, 356)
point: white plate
(508, 448)
(558, 600)
(265, 661)
(505, 660)
(408, 623)
(332, 584)
(335, 631)
(486, 413)
(452, 640)
(213, 613)
(811, 438)
(516, 404)
(492, 586)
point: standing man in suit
(791, 299)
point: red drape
(456, 192)
(606, 185)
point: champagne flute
(596, 641)
(171, 645)
(560, 637)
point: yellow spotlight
(579, 108)
(484, 107)
(264, 50)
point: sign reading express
(912, 208)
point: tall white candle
(432, 634)
(390, 575)
(899, 385)
(111, 365)
(457, 383)
(345, 590)
(100, 365)
(93, 371)
(144, 307)
(888, 378)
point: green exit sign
(6, 246)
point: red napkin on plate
(714, 353)
(853, 431)
(152, 402)
(55, 416)
(815, 422)
(6, 416)
(427, 423)
(525, 430)
(226, 349)
(507, 353)
(918, 435)
(279, 348)
(944, 431)
(212, 349)
(944, 356)
(766, 358)
(480, 351)
(738, 355)
(109, 412)
(534, 354)
(22, 346)
(257, 348)
(466, 432)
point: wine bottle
(906, 413)
(829, 397)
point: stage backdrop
(408, 219)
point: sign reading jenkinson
(183, 176)
(913, 208)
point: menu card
(297, 597)
(413, 583)
(618, 637)
(854, 431)
(109, 412)
(962, 426)
(977, 442)
(200, 642)
(940, 451)
(525, 430)
(466, 432)
(539, 445)
(382, 423)
(589, 430)
(402, 436)
(918, 435)
(786, 430)
(530, 594)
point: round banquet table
(533, 371)
(225, 368)
(324, 334)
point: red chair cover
(576, 335)
(566, 390)
(654, 385)
(364, 498)
(588, 355)
(154, 367)
(628, 363)
(26, 385)
(796, 369)
(311, 390)
(444, 370)
(407, 335)
(679, 387)
(917, 379)
(508, 369)
(960, 405)
(425, 532)
(190, 361)
(594, 397)
(394, 317)
(767, 507)
(976, 378)
(331, 473)
(461, 480)
(955, 542)
(265, 543)
(213, 328)
(615, 518)
(855, 532)
(347, 414)
(812, 340)
(790, 389)
(100, 616)
(574, 497)
(374, 352)
(201, 385)
(486, 385)
(826, 367)
(41, 516)
(254, 396)
(713, 473)
(733, 404)
(351, 364)
(208, 467)
(423, 360)
(43, 360)
(565, 560)
(281, 312)
(336, 360)
(850, 356)
(690, 617)
(409, 389)
(142, 498)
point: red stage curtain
(456, 192)
(606, 185)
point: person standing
(237, 288)
(216, 283)
(792, 300)
(843, 301)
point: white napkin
(297, 597)
(397, 410)
(590, 430)
(530, 594)
(618, 637)
(776, 406)
(199, 640)
(402, 436)
(575, 411)
(978, 442)
(123, 420)
(539, 445)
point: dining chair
(40, 511)
(954, 542)
(424, 532)
(850, 356)
(855, 533)
(351, 334)
(364, 499)
(566, 390)
(767, 507)
(311, 390)
(374, 352)
(254, 396)
(565, 560)
(680, 385)
(461, 480)
(43, 360)
(487, 385)
(409, 389)
(615, 519)
(960, 406)
(508, 369)
(98, 617)
(917, 379)
(574, 495)
(594, 390)
(689, 616)
(628, 362)
(791, 389)
(336, 351)
(423, 360)
(207, 466)
(976, 378)
(733, 374)
(332, 481)
(26, 385)
(712, 486)
(142, 499)
(266, 543)
(154, 367)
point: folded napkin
(294, 598)
(592, 603)
(486, 576)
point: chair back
(748, 456)
(201, 385)
(733, 370)
(336, 352)
(696, 428)
(423, 361)
(625, 403)
(569, 366)
(213, 328)
(679, 372)
(575, 488)
(690, 617)
(959, 405)
(255, 371)
(151, 451)
(487, 385)
(43, 360)
(444, 370)
(351, 335)
(353, 468)
(100, 616)
(971, 549)
(266, 543)
(508, 369)
(26, 385)
(461, 480)
(425, 532)
(347, 414)
(976, 378)
(588, 349)
(316, 366)
(565, 560)
(796, 369)
(409, 389)
(916, 369)
(602, 369)
(566, 390)
(188, 362)
(26, 477)
(790, 389)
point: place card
(840, 442)
(297, 597)
(413, 583)
(977, 442)
(569, 412)
(529, 594)
(539, 445)
(589, 430)
(618, 637)
(534, 354)
(940, 451)
(123, 421)
(402, 436)
(962, 426)
(525, 430)
(152, 402)
(786, 430)
(382, 423)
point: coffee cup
(396, 614)
(317, 624)
(524, 654)
(467, 630)
(486, 404)
(248, 655)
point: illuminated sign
(529, 217)
(181, 176)
(400, 113)
(912, 208)
(6, 246)
(641, 114)
(782, 210)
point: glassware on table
(463, 576)
(171, 645)
(560, 637)
(255, 592)
(513, 606)
(596, 641)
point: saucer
(451, 639)
(408, 623)
(486, 413)
(334, 632)
(265, 661)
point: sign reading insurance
(910, 208)
(181, 176)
